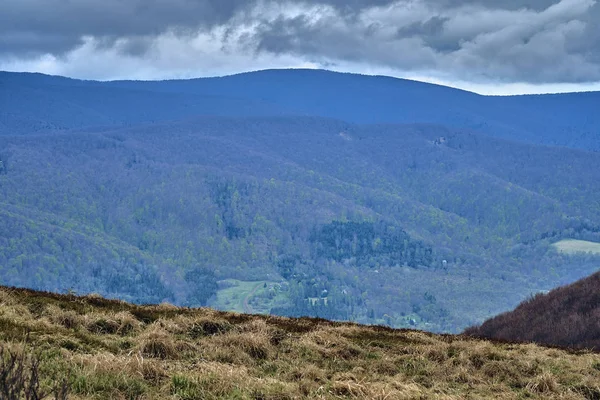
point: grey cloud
(558, 43)
(430, 27)
(26, 44)
(67, 21)
(26, 25)
(431, 31)
(536, 5)
(333, 41)
(512, 40)
(72, 20)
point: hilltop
(92, 348)
(567, 316)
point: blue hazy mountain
(34, 102)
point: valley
(401, 224)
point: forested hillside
(404, 225)
(568, 316)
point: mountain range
(34, 102)
(297, 192)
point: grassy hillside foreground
(101, 349)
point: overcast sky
(489, 46)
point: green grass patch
(103, 385)
(256, 297)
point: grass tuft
(156, 342)
(207, 327)
(544, 383)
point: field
(571, 246)
(250, 297)
(92, 348)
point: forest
(420, 225)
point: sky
(487, 46)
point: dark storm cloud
(512, 40)
(535, 42)
(58, 25)
(113, 18)
(431, 32)
(68, 21)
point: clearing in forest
(246, 297)
(571, 246)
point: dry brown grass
(133, 365)
(115, 350)
(156, 342)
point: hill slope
(33, 102)
(93, 348)
(567, 316)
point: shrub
(20, 378)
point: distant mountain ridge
(557, 119)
